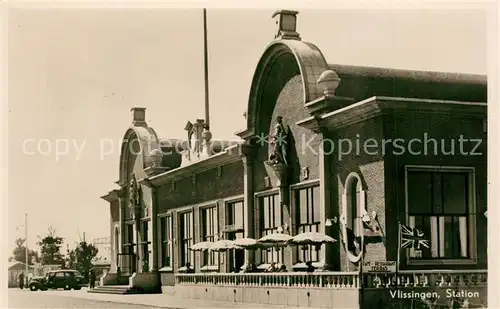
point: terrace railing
(428, 278)
(406, 278)
(339, 280)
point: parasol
(223, 245)
(201, 246)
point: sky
(74, 74)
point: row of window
(307, 219)
(438, 204)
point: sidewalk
(158, 300)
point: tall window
(438, 204)
(208, 232)
(271, 219)
(129, 243)
(235, 224)
(166, 241)
(186, 238)
(307, 203)
(353, 191)
(145, 241)
(235, 215)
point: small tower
(286, 22)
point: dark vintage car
(64, 278)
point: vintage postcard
(215, 156)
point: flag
(413, 238)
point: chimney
(286, 22)
(138, 116)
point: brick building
(395, 146)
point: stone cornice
(374, 106)
(112, 195)
(246, 134)
(229, 155)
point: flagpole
(361, 277)
(399, 252)
(26, 242)
(205, 54)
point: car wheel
(67, 286)
(33, 287)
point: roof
(361, 82)
(417, 75)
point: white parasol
(311, 238)
(201, 246)
(275, 239)
(246, 243)
(223, 245)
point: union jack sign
(413, 238)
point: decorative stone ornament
(328, 82)
(267, 182)
(305, 173)
(278, 151)
(133, 192)
(281, 172)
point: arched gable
(148, 143)
(310, 62)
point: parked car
(64, 278)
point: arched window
(354, 203)
(353, 206)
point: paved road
(60, 299)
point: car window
(69, 274)
(59, 275)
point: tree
(19, 253)
(71, 259)
(50, 248)
(83, 254)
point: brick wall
(202, 187)
(370, 168)
(283, 96)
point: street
(61, 299)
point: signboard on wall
(379, 267)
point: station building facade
(398, 146)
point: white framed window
(307, 219)
(235, 223)
(167, 239)
(186, 238)
(209, 228)
(440, 201)
(271, 218)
